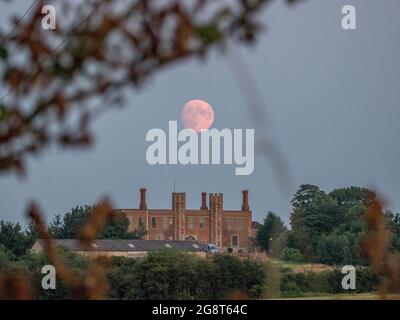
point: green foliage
(269, 235)
(328, 228)
(164, 275)
(14, 240)
(170, 274)
(4, 258)
(315, 213)
(68, 226)
(122, 277)
(272, 287)
(32, 264)
(3, 53)
(349, 197)
(327, 282)
(394, 224)
(292, 255)
(334, 249)
(208, 34)
(233, 274)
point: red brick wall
(230, 223)
(201, 234)
(232, 226)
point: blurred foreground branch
(375, 245)
(55, 82)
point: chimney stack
(245, 205)
(143, 203)
(203, 201)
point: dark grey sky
(333, 102)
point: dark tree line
(68, 226)
(325, 227)
(167, 274)
(15, 240)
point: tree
(14, 240)
(33, 263)
(394, 225)
(334, 249)
(4, 258)
(121, 277)
(270, 231)
(349, 197)
(56, 227)
(171, 274)
(292, 254)
(68, 226)
(328, 228)
(121, 48)
(71, 222)
(314, 214)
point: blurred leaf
(3, 53)
(208, 34)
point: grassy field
(303, 267)
(356, 296)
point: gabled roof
(129, 245)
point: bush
(166, 274)
(4, 258)
(121, 277)
(327, 282)
(334, 249)
(292, 254)
(32, 265)
(272, 280)
(176, 275)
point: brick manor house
(209, 224)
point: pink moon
(197, 115)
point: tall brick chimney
(179, 207)
(245, 203)
(203, 201)
(216, 209)
(143, 203)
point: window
(191, 223)
(165, 222)
(202, 223)
(160, 237)
(131, 220)
(171, 221)
(234, 240)
(240, 224)
(229, 223)
(141, 221)
(169, 238)
(153, 222)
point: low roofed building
(123, 248)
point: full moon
(197, 115)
